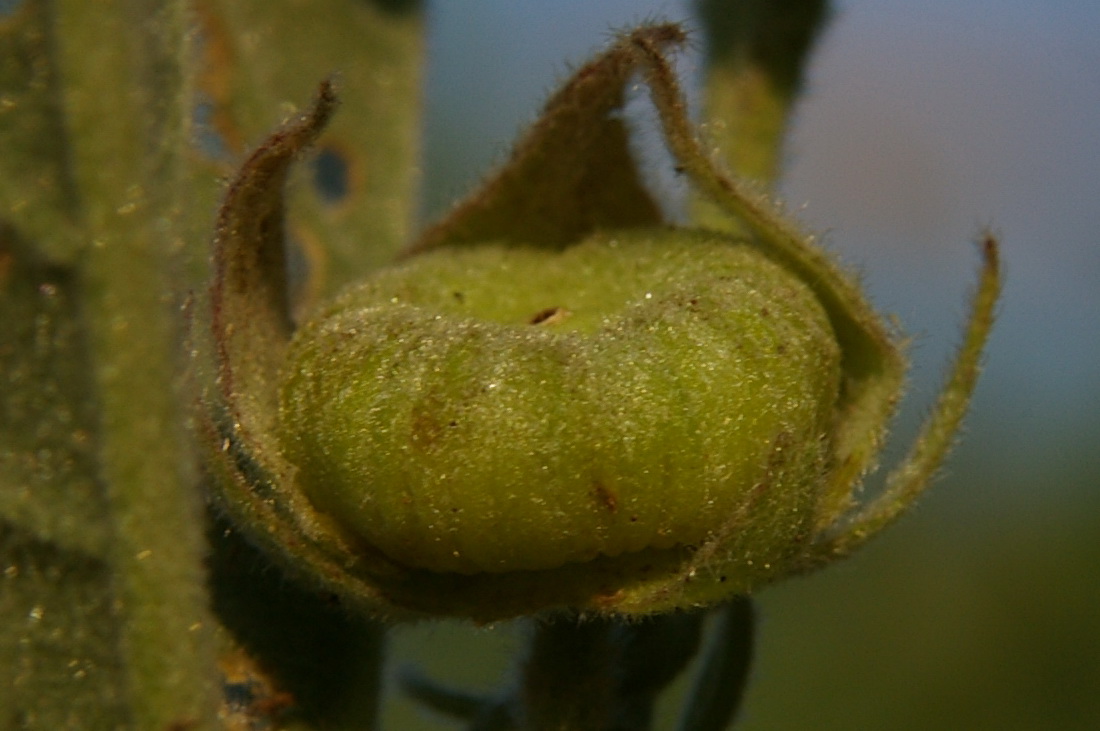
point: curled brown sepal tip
(248, 296)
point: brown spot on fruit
(605, 497)
(426, 426)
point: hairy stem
(756, 54)
(128, 160)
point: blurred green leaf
(353, 208)
(107, 198)
(37, 192)
(58, 631)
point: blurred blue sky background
(921, 123)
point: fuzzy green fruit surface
(498, 408)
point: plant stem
(128, 138)
(720, 687)
(605, 674)
(569, 678)
(757, 52)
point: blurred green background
(921, 123)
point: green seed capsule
(524, 415)
(500, 409)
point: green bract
(556, 399)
